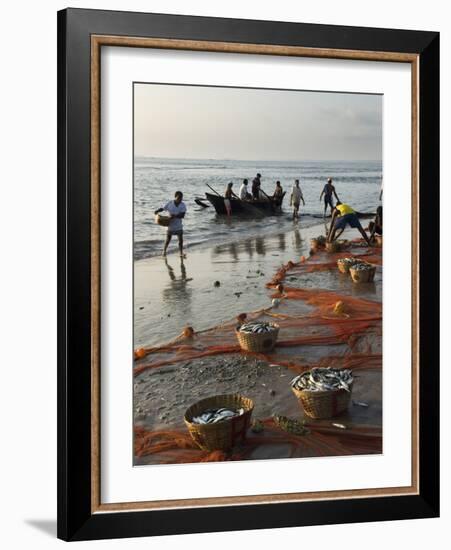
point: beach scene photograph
(257, 226)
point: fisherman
(278, 192)
(256, 183)
(177, 211)
(277, 196)
(375, 227)
(342, 216)
(296, 198)
(244, 193)
(328, 191)
(227, 196)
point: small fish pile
(323, 379)
(212, 416)
(360, 404)
(363, 266)
(257, 327)
(349, 262)
(341, 426)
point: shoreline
(169, 294)
(285, 225)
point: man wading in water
(328, 191)
(296, 198)
(177, 210)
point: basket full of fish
(362, 272)
(219, 422)
(323, 392)
(257, 335)
(345, 264)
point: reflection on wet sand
(260, 246)
(177, 293)
(297, 240)
(282, 242)
(248, 248)
(233, 251)
(242, 268)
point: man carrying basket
(177, 211)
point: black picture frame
(76, 521)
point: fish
(363, 266)
(212, 416)
(324, 379)
(341, 426)
(257, 327)
(360, 404)
(349, 261)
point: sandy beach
(170, 295)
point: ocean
(156, 180)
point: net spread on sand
(314, 332)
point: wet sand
(169, 295)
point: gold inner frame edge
(97, 41)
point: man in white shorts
(177, 210)
(296, 198)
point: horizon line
(256, 160)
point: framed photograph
(248, 274)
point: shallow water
(156, 180)
(170, 294)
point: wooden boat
(200, 202)
(247, 207)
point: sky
(204, 122)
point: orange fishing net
(307, 317)
(338, 328)
(176, 447)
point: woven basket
(363, 276)
(333, 247)
(315, 244)
(225, 434)
(323, 404)
(164, 221)
(344, 267)
(258, 342)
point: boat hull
(245, 208)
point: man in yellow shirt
(342, 216)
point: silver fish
(323, 379)
(212, 416)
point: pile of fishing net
(177, 447)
